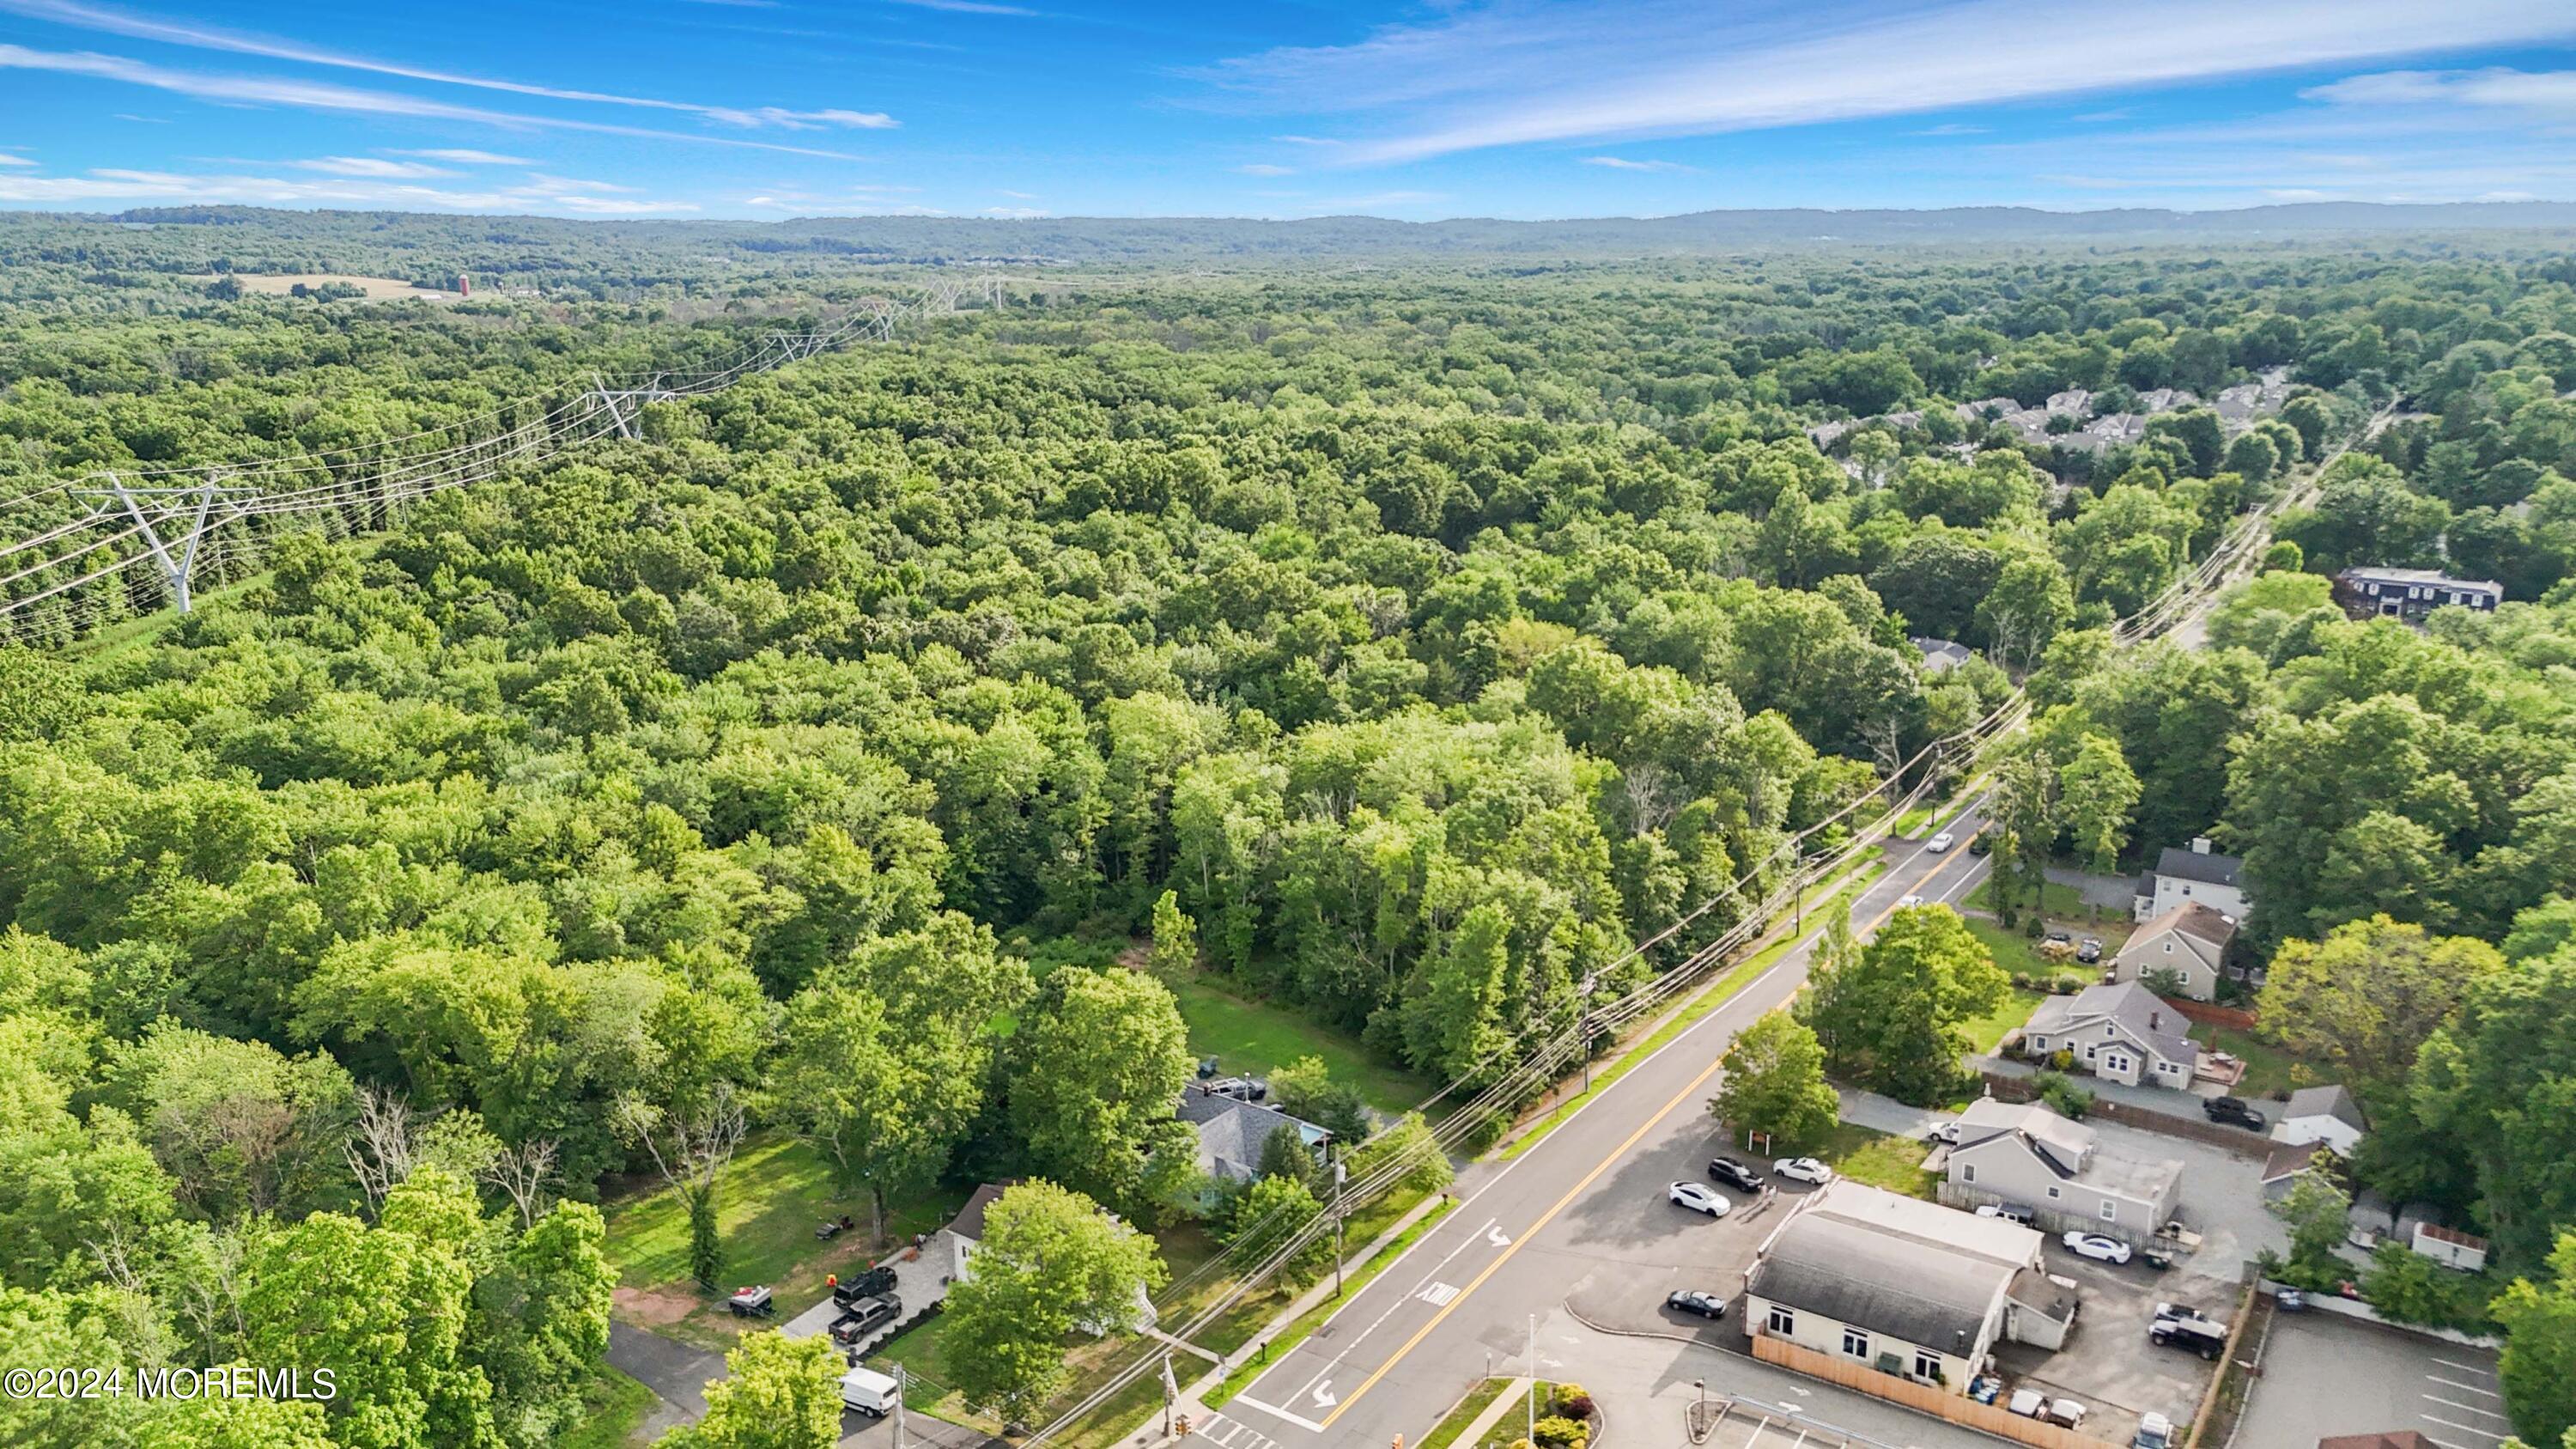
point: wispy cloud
(205, 37)
(2496, 88)
(369, 166)
(1264, 168)
(324, 96)
(1950, 128)
(466, 156)
(967, 7)
(1622, 163)
(8, 160)
(2092, 118)
(121, 185)
(1507, 72)
(1015, 195)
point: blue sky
(776, 108)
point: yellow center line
(1534, 1229)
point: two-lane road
(1464, 1297)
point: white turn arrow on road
(1324, 1395)
(1495, 1237)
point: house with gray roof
(1902, 1286)
(2411, 594)
(2326, 1115)
(2190, 940)
(2025, 1154)
(2121, 1032)
(1232, 1133)
(2198, 874)
(1940, 656)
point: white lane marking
(1276, 1412)
(2464, 1428)
(2464, 1388)
(1437, 1294)
(2484, 1373)
(2465, 1408)
(1495, 1236)
(1425, 1281)
(1324, 1396)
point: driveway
(919, 1281)
(2324, 1375)
(676, 1372)
(2107, 1363)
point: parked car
(1734, 1174)
(2089, 950)
(1908, 900)
(1698, 1198)
(2097, 1247)
(1940, 842)
(1803, 1169)
(865, 1317)
(1242, 1089)
(2029, 1403)
(2291, 1300)
(2189, 1330)
(1946, 1133)
(870, 1284)
(1693, 1300)
(1981, 843)
(2059, 938)
(2011, 1212)
(2065, 1413)
(870, 1392)
(1207, 1068)
(2155, 1431)
(2232, 1110)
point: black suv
(2232, 1110)
(1734, 1174)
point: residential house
(2197, 874)
(2327, 1115)
(1940, 656)
(1904, 1286)
(2410, 594)
(1233, 1133)
(2074, 402)
(964, 1239)
(2189, 940)
(2024, 1153)
(2121, 1032)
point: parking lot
(2108, 1364)
(2323, 1375)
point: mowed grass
(1256, 1038)
(2019, 955)
(1987, 1032)
(1880, 1160)
(2270, 1071)
(771, 1198)
(1455, 1423)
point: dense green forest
(1413, 641)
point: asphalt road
(2324, 1375)
(1583, 1208)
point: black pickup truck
(875, 1282)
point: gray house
(2023, 1153)
(1232, 1133)
(2410, 594)
(2198, 875)
(2121, 1032)
(2189, 940)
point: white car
(1940, 842)
(1948, 1132)
(1698, 1197)
(2029, 1403)
(2097, 1247)
(1803, 1169)
(1905, 901)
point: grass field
(378, 289)
(773, 1194)
(1255, 1037)
(1446, 1432)
(616, 1406)
(1894, 1163)
(2269, 1070)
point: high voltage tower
(138, 538)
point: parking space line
(2464, 1428)
(2464, 1388)
(2465, 1408)
(2469, 1368)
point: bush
(2407, 1287)
(1558, 1432)
(1573, 1402)
(2062, 1094)
(2035, 927)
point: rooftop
(2139, 1012)
(1915, 1271)
(2418, 576)
(2327, 1101)
(2208, 866)
(2192, 919)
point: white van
(869, 1392)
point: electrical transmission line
(137, 538)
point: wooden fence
(1922, 1398)
(2209, 1013)
(2005, 1087)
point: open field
(1256, 1038)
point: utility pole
(902, 1385)
(1341, 1174)
(1529, 1430)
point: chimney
(2155, 1021)
(2200, 845)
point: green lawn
(1987, 1031)
(1256, 1038)
(773, 1194)
(2019, 955)
(2270, 1071)
(1446, 1432)
(1894, 1163)
(614, 1406)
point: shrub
(1558, 1432)
(1573, 1402)
(2061, 1093)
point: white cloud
(1015, 195)
(1622, 163)
(2499, 88)
(1950, 128)
(324, 96)
(1264, 168)
(101, 18)
(369, 166)
(464, 156)
(967, 7)
(1506, 72)
(8, 160)
(116, 184)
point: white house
(1903, 1286)
(2199, 875)
(964, 1239)
(2025, 1154)
(2190, 940)
(2327, 1115)
(2120, 1032)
